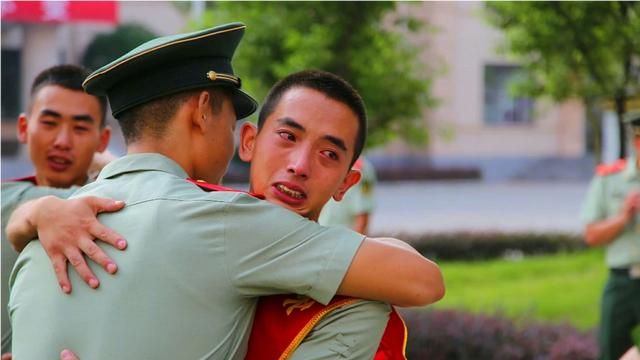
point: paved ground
(451, 206)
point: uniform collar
(631, 172)
(142, 162)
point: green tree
(362, 42)
(107, 47)
(589, 50)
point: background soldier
(612, 215)
(355, 209)
(62, 128)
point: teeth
(59, 161)
(292, 193)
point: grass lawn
(559, 288)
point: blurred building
(477, 123)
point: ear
(201, 115)
(23, 127)
(105, 136)
(248, 134)
(352, 178)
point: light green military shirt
(188, 283)
(13, 194)
(353, 331)
(605, 199)
(358, 200)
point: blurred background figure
(62, 128)
(612, 215)
(355, 209)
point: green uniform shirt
(188, 283)
(358, 200)
(13, 194)
(352, 332)
(605, 199)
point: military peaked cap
(171, 64)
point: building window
(500, 107)
(10, 84)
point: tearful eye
(331, 155)
(286, 135)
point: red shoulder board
(31, 179)
(211, 187)
(609, 169)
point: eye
(286, 135)
(81, 129)
(48, 123)
(330, 154)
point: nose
(299, 163)
(63, 138)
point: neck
(163, 146)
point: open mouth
(290, 192)
(58, 163)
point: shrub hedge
(455, 335)
(490, 245)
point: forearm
(392, 271)
(21, 227)
(603, 232)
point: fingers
(103, 204)
(7, 356)
(103, 233)
(80, 265)
(95, 253)
(60, 269)
(67, 355)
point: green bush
(491, 245)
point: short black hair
(329, 84)
(151, 118)
(69, 77)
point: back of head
(67, 76)
(329, 84)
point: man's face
(300, 157)
(62, 133)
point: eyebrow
(80, 117)
(287, 121)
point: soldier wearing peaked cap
(197, 261)
(612, 217)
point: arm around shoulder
(391, 271)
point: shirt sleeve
(353, 331)
(271, 250)
(594, 207)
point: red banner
(60, 11)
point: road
(416, 207)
